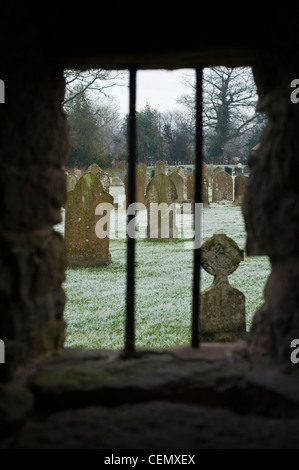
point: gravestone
(228, 170)
(83, 246)
(191, 189)
(205, 170)
(116, 181)
(94, 169)
(222, 187)
(222, 307)
(238, 171)
(161, 224)
(101, 175)
(78, 173)
(142, 168)
(160, 167)
(71, 181)
(210, 173)
(191, 186)
(240, 187)
(179, 186)
(140, 188)
(216, 171)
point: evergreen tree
(84, 148)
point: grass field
(95, 308)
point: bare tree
(98, 81)
(228, 108)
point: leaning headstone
(222, 307)
(140, 188)
(240, 187)
(161, 194)
(160, 167)
(84, 248)
(179, 186)
(222, 187)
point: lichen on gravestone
(84, 248)
(222, 307)
(161, 193)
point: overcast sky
(159, 88)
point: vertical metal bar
(197, 200)
(130, 300)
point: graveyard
(95, 309)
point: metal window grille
(130, 299)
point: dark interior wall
(33, 146)
(108, 35)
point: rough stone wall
(271, 211)
(33, 146)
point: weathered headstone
(101, 175)
(238, 171)
(222, 307)
(222, 187)
(94, 169)
(142, 168)
(78, 173)
(191, 186)
(191, 189)
(179, 186)
(205, 171)
(140, 187)
(116, 181)
(160, 167)
(71, 181)
(84, 248)
(161, 194)
(216, 171)
(210, 173)
(240, 187)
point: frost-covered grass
(95, 309)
